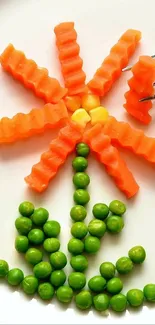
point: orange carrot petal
(33, 77)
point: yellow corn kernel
(81, 117)
(99, 115)
(90, 101)
(72, 103)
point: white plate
(29, 26)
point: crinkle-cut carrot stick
(51, 160)
(36, 121)
(141, 85)
(124, 135)
(33, 77)
(71, 63)
(113, 64)
(110, 157)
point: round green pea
(42, 270)
(58, 260)
(81, 196)
(97, 228)
(101, 302)
(91, 244)
(79, 263)
(77, 280)
(45, 291)
(118, 302)
(51, 245)
(78, 213)
(15, 277)
(58, 278)
(40, 216)
(100, 211)
(23, 225)
(97, 283)
(114, 285)
(4, 268)
(149, 292)
(64, 294)
(51, 228)
(26, 209)
(82, 149)
(79, 230)
(115, 224)
(117, 207)
(30, 284)
(79, 164)
(137, 254)
(36, 236)
(75, 246)
(33, 256)
(21, 244)
(107, 270)
(81, 180)
(135, 297)
(124, 265)
(84, 300)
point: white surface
(29, 26)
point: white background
(29, 26)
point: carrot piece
(141, 85)
(36, 121)
(111, 67)
(71, 63)
(51, 160)
(33, 77)
(108, 155)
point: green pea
(51, 245)
(97, 228)
(117, 207)
(26, 209)
(124, 265)
(97, 283)
(100, 211)
(79, 263)
(118, 302)
(75, 246)
(114, 286)
(81, 197)
(30, 284)
(137, 254)
(58, 260)
(91, 244)
(51, 228)
(15, 277)
(135, 297)
(79, 164)
(42, 270)
(4, 268)
(101, 302)
(79, 230)
(149, 292)
(115, 224)
(64, 294)
(34, 256)
(21, 244)
(107, 270)
(40, 216)
(58, 278)
(23, 225)
(46, 291)
(82, 149)
(81, 180)
(78, 213)
(36, 236)
(77, 280)
(84, 300)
